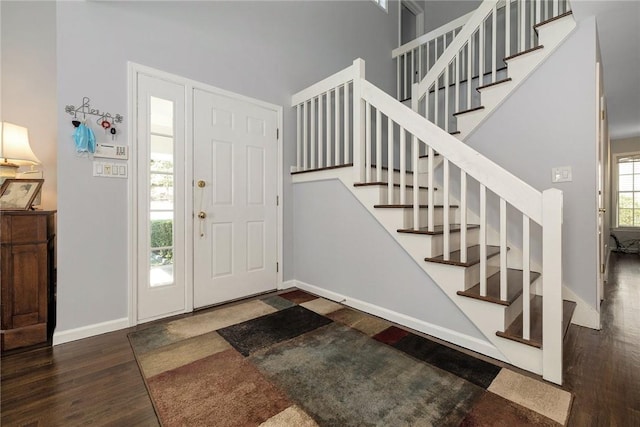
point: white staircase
(491, 242)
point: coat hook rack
(85, 109)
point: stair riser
(423, 195)
(436, 245)
(472, 274)
(551, 34)
(493, 95)
(521, 66)
(438, 217)
(511, 312)
(468, 121)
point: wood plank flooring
(96, 380)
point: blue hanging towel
(85, 139)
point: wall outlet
(561, 174)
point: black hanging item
(113, 131)
(75, 123)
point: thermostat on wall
(107, 151)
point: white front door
(235, 221)
(160, 197)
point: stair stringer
(486, 316)
(550, 35)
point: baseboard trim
(584, 315)
(462, 340)
(89, 330)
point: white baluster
(507, 29)
(329, 133)
(406, 80)
(299, 136)
(346, 125)
(523, 24)
(463, 216)
(446, 229)
(503, 249)
(555, 8)
(337, 125)
(367, 145)
(436, 94)
(305, 139)
(469, 70)
(378, 145)
(483, 240)
(416, 188)
(313, 134)
(413, 67)
(446, 99)
(358, 121)
(398, 78)
(390, 183)
(538, 11)
(456, 107)
(419, 65)
(428, 67)
(403, 166)
(526, 281)
(320, 134)
(430, 209)
(481, 49)
(494, 43)
(531, 23)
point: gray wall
(551, 122)
(28, 49)
(266, 50)
(439, 12)
(341, 247)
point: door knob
(201, 183)
(202, 215)
(603, 210)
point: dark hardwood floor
(602, 368)
(96, 380)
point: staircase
(490, 241)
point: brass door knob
(603, 210)
(202, 215)
(201, 184)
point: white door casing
(235, 189)
(161, 288)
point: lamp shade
(14, 146)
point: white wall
(439, 12)
(28, 49)
(547, 122)
(619, 146)
(340, 247)
(266, 50)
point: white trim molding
(90, 330)
(449, 335)
(584, 315)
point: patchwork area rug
(299, 360)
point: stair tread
(437, 229)
(514, 287)
(394, 169)
(408, 206)
(555, 18)
(346, 165)
(469, 110)
(524, 52)
(473, 256)
(514, 331)
(367, 184)
(508, 79)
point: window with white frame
(381, 3)
(628, 190)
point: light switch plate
(110, 170)
(561, 174)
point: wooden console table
(27, 278)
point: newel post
(552, 285)
(358, 122)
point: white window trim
(615, 175)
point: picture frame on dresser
(19, 194)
